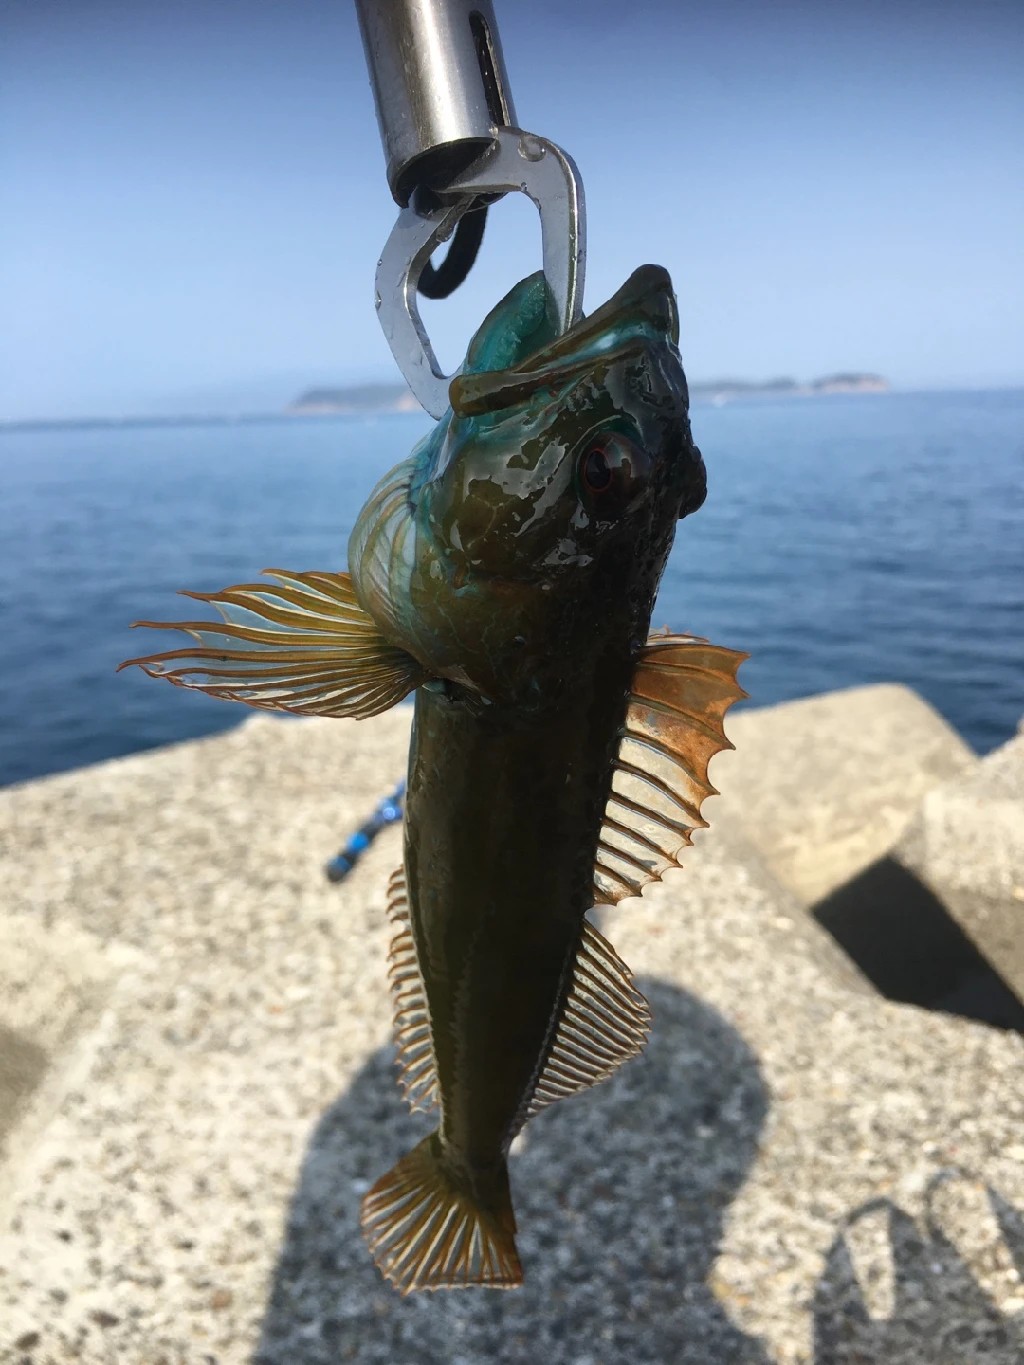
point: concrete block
(53, 986)
(967, 845)
(795, 1173)
(826, 785)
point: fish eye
(610, 470)
(595, 471)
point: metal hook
(447, 125)
(514, 162)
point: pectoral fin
(681, 691)
(304, 645)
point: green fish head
(524, 539)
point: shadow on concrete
(907, 944)
(620, 1196)
(937, 1312)
(23, 1065)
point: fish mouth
(643, 312)
(646, 300)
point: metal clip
(446, 120)
(515, 161)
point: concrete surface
(826, 785)
(966, 844)
(796, 1171)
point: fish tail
(431, 1227)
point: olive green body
(502, 824)
(516, 555)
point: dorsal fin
(605, 1022)
(681, 690)
(304, 646)
(417, 1069)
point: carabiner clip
(448, 129)
(515, 161)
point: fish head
(525, 538)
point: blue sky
(192, 194)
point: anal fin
(681, 690)
(605, 1022)
(302, 645)
(417, 1069)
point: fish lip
(645, 303)
(647, 296)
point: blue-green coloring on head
(527, 534)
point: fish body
(506, 571)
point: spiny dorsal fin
(605, 1022)
(427, 1229)
(305, 646)
(417, 1069)
(681, 690)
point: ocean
(845, 540)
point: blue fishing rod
(388, 812)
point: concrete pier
(196, 1084)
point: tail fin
(427, 1230)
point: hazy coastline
(380, 399)
(360, 398)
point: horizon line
(224, 418)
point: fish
(505, 574)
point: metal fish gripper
(452, 148)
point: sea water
(845, 540)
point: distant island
(354, 398)
(377, 398)
(853, 381)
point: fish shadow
(620, 1196)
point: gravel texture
(795, 1171)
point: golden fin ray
(302, 644)
(681, 690)
(606, 875)
(614, 829)
(425, 1232)
(417, 1068)
(604, 1023)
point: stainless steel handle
(439, 83)
(452, 144)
